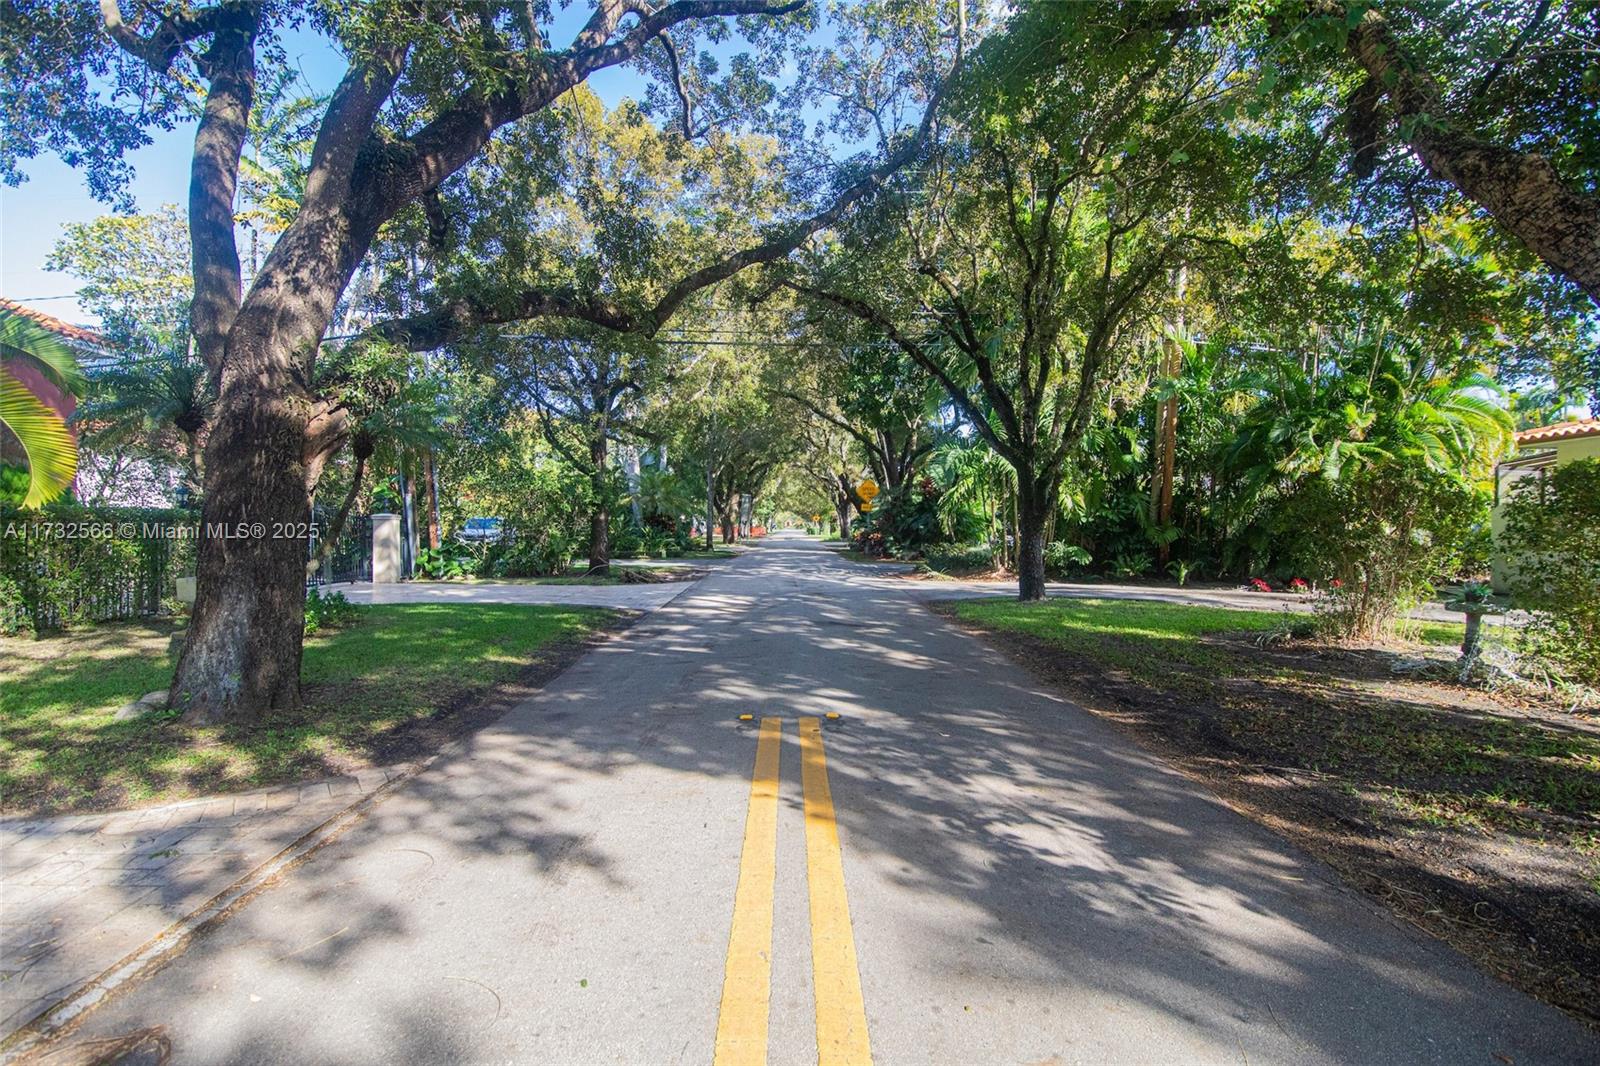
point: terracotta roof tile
(1583, 427)
(55, 325)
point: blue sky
(32, 215)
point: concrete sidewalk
(642, 597)
(83, 891)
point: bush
(1063, 558)
(1378, 537)
(451, 560)
(1132, 564)
(328, 612)
(906, 520)
(657, 542)
(66, 565)
(525, 554)
(959, 560)
(1552, 528)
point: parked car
(481, 531)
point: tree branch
(158, 50)
(461, 316)
(1521, 190)
(867, 313)
(213, 178)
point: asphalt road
(979, 871)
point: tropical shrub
(1380, 536)
(1552, 540)
(908, 518)
(328, 611)
(524, 554)
(451, 560)
(952, 560)
(1133, 563)
(1063, 558)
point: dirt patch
(659, 575)
(1475, 815)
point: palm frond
(51, 451)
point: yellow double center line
(747, 981)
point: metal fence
(351, 557)
(77, 564)
(67, 564)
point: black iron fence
(351, 556)
(68, 564)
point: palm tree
(51, 451)
(1384, 399)
(140, 401)
(396, 416)
(974, 480)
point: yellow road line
(841, 1013)
(747, 978)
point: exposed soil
(1475, 815)
(659, 575)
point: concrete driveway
(962, 868)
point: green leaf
(23, 338)
(52, 452)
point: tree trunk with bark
(1033, 509)
(711, 508)
(1558, 222)
(242, 652)
(431, 490)
(329, 537)
(600, 517)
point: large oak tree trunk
(600, 517)
(242, 653)
(1033, 508)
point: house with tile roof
(1538, 451)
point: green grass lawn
(1163, 629)
(1438, 754)
(394, 666)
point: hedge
(67, 564)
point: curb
(58, 1019)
